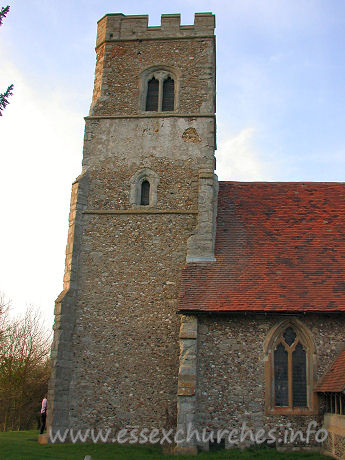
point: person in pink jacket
(43, 414)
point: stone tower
(143, 205)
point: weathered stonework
(121, 355)
(126, 47)
(231, 368)
(187, 375)
(335, 445)
(135, 187)
(115, 354)
(201, 243)
(59, 402)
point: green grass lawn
(23, 445)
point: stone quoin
(187, 301)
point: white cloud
(238, 159)
(41, 142)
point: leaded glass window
(281, 377)
(145, 193)
(168, 95)
(152, 95)
(290, 371)
(160, 92)
(289, 336)
(299, 377)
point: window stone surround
(160, 73)
(136, 181)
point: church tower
(143, 205)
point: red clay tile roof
(334, 379)
(279, 247)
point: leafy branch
(3, 12)
(3, 98)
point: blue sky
(280, 111)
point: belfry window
(145, 193)
(152, 95)
(168, 94)
(160, 95)
(290, 371)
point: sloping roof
(334, 379)
(279, 247)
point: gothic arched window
(160, 95)
(289, 370)
(159, 89)
(168, 94)
(152, 95)
(143, 188)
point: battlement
(117, 26)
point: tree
(4, 96)
(3, 12)
(24, 368)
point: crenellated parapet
(146, 199)
(120, 27)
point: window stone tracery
(289, 369)
(159, 88)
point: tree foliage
(4, 96)
(24, 368)
(3, 12)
